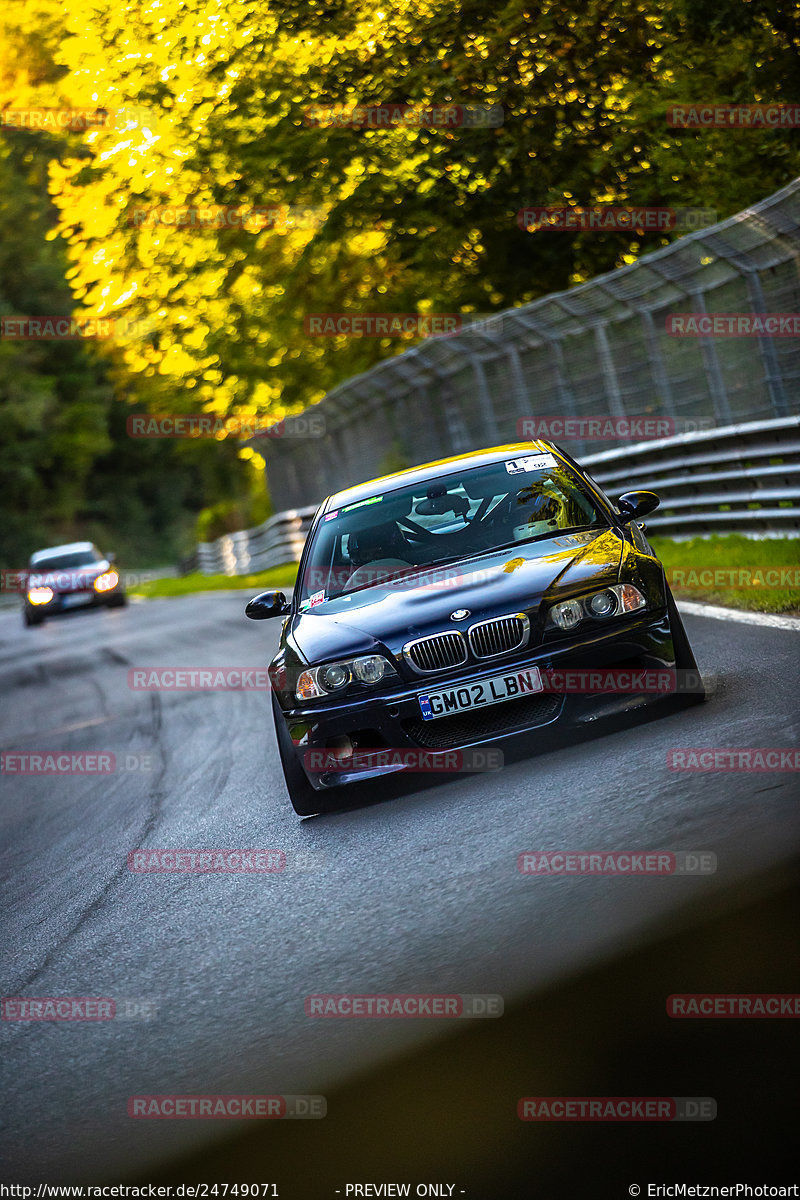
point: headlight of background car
(106, 581)
(333, 678)
(610, 602)
(40, 595)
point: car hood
(386, 616)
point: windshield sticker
(361, 503)
(317, 598)
(329, 516)
(533, 462)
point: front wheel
(305, 801)
(32, 618)
(690, 681)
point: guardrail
(744, 478)
(279, 540)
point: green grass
(185, 585)
(757, 592)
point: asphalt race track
(414, 888)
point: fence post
(772, 370)
(609, 372)
(716, 385)
(520, 391)
(486, 406)
(656, 359)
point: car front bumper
(392, 719)
(63, 602)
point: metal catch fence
(613, 347)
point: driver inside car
(534, 510)
(375, 554)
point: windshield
(61, 562)
(443, 521)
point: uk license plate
(480, 695)
(74, 599)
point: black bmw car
(449, 606)
(62, 578)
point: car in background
(461, 603)
(63, 578)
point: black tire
(118, 602)
(31, 618)
(305, 801)
(692, 691)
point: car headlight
(610, 602)
(40, 595)
(370, 669)
(566, 615)
(335, 677)
(602, 604)
(106, 581)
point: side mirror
(267, 604)
(633, 505)
(110, 557)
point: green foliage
(67, 467)
(229, 516)
(395, 459)
(410, 219)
